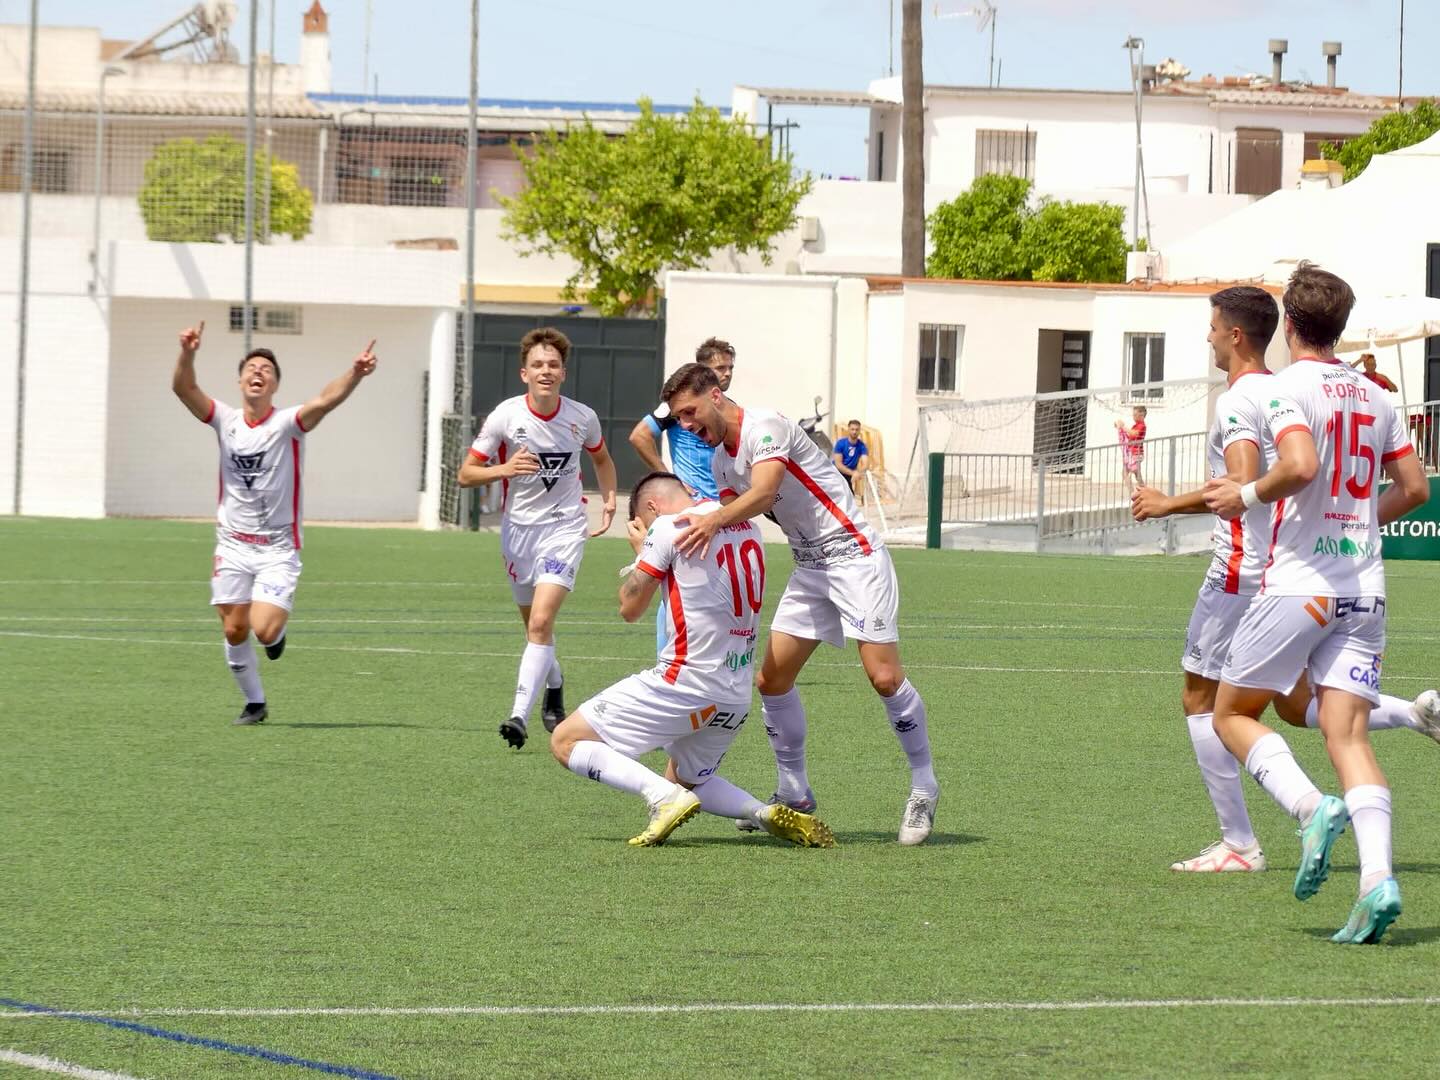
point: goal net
(1053, 430)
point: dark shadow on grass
(842, 839)
(1399, 936)
(380, 723)
(887, 836)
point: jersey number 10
(752, 562)
(1359, 451)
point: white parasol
(1390, 320)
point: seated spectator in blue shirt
(852, 456)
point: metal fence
(1070, 500)
(1064, 495)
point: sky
(673, 50)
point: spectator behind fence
(852, 458)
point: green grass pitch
(376, 845)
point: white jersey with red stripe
(712, 603)
(814, 505)
(554, 493)
(260, 467)
(1240, 545)
(1325, 539)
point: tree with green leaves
(666, 195)
(1393, 131)
(991, 233)
(194, 192)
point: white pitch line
(396, 650)
(759, 1007)
(45, 1064)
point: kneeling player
(696, 698)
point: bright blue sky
(672, 49)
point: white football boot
(1221, 858)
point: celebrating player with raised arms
(531, 444)
(1321, 606)
(843, 585)
(696, 698)
(258, 536)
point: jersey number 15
(1358, 452)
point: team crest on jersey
(552, 467)
(249, 466)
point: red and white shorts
(541, 554)
(644, 712)
(249, 572)
(1338, 642)
(859, 599)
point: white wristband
(1249, 496)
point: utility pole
(912, 138)
(248, 309)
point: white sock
(1221, 773)
(907, 718)
(535, 661)
(241, 659)
(718, 796)
(1369, 806)
(1392, 712)
(612, 768)
(784, 718)
(1276, 770)
(554, 678)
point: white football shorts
(249, 572)
(859, 599)
(643, 713)
(536, 554)
(1337, 642)
(1213, 623)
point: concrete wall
(363, 463)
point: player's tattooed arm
(635, 593)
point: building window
(1005, 153)
(939, 357)
(50, 170)
(419, 181)
(270, 319)
(1145, 356)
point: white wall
(65, 386)
(363, 463)
(781, 327)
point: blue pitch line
(204, 1043)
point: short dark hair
(855, 422)
(1250, 310)
(1318, 305)
(637, 493)
(1141, 410)
(712, 347)
(545, 335)
(264, 354)
(689, 379)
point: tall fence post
(935, 500)
(1039, 504)
(1170, 543)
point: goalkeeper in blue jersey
(689, 454)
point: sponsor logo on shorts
(601, 708)
(713, 716)
(550, 565)
(593, 773)
(858, 623)
(1367, 676)
(281, 591)
(878, 623)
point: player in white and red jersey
(532, 445)
(696, 698)
(1321, 606)
(843, 585)
(258, 536)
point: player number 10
(752, 562)
(1358, 451)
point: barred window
(940, 347)
(1005, 153)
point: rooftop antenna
(365, 65)
(203, 27)
(985, 15)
